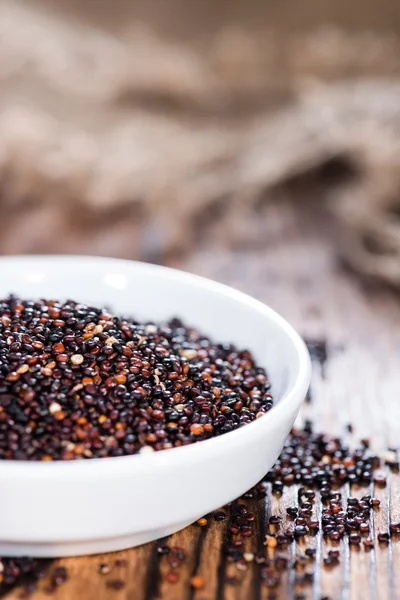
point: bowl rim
(291, 399)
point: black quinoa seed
(300, 530)
(354, 539)
(77, 382)
(220, 515)
(331, 561)
(275, 520)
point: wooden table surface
(298, 275)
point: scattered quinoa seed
(197, 582)
(163, 550)
(121, 562)
(270, 541)
(220, 515)
(59, 576)
(172, 577)
(115, 584)
(104, 568)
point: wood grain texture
(358, 383)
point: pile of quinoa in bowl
(79, 382)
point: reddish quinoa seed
(121, 562)
(59, 576)
(172, 577)
(115, 584)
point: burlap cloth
(131, 144)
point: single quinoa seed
(197, 582)
(59, 576)
(77, 359)
(77, 382)
(54, 408)
(275, 520)
(395, 528)
(270, 541)
(115, 584)
(104, 568)
(121, 562)
(172, 577)
(380, 479)
(220, 515)
(161, 550)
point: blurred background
(225, 137)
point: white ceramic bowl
(99, 505)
